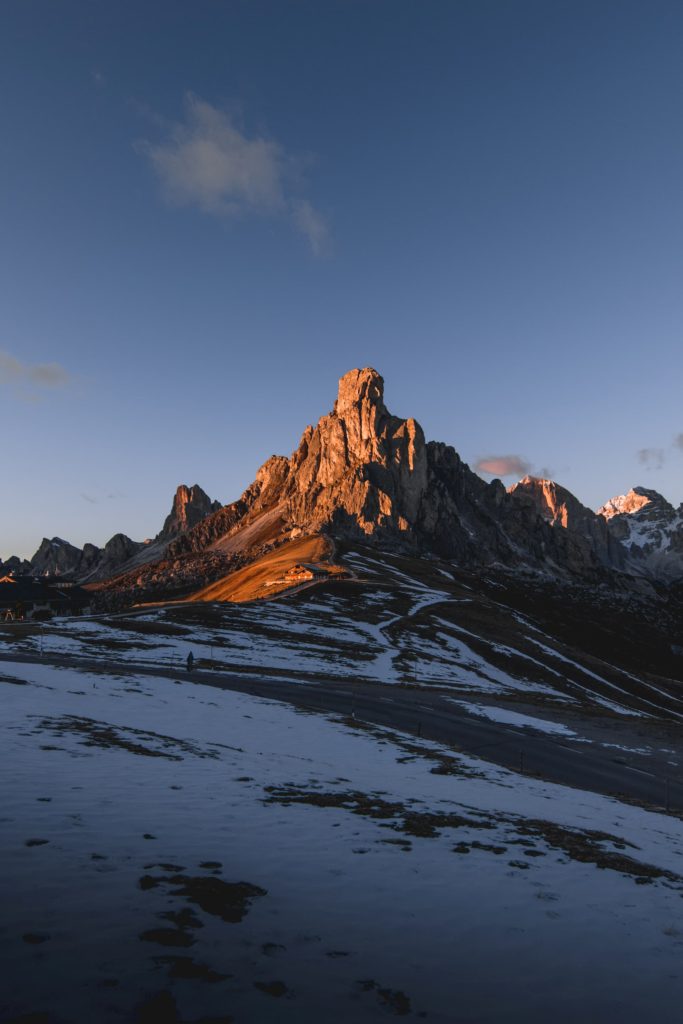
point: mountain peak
(190, 506)
(359, 387)
(636, 500)
(554, 503)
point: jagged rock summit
(190, 506)
(362, 473)
(360, 467)
(360, 470)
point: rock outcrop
(190, 506)
(57, 557)
(558, 506)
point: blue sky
(210, 211)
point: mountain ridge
(363, 474)
(58, 557)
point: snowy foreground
(174, 852)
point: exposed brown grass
(249, 583)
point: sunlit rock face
(649, 529)
(633, 501)
(558, 506)
(359, 465)
(363, 473)
(190, 506)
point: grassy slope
(249, 583)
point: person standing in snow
(190, 661)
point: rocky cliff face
(558, 506)
(364, 473)
(56, 557)
(190, 506)
(649, 530)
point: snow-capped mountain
(649, 528)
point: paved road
(423, 713)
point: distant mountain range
(58, 557)
(363, 474)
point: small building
(30, 597)
(303, 572)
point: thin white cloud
(207, 161)
(25, 378)
(311, 224)
(503, 465)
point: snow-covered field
(173, 852)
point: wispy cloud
(503, 465)
(678, 442)
(27, 380)
(651, 458)
(207, 161)
(95, 499)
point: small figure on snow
(190, 661)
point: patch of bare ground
(12, 680)
(107, 737)
(583, 845)
(230, 901)
(278, 989)
(391, 999)
(15, 632)
(186, 968)
(427, 824)
(161, 1008)
(588, 846)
